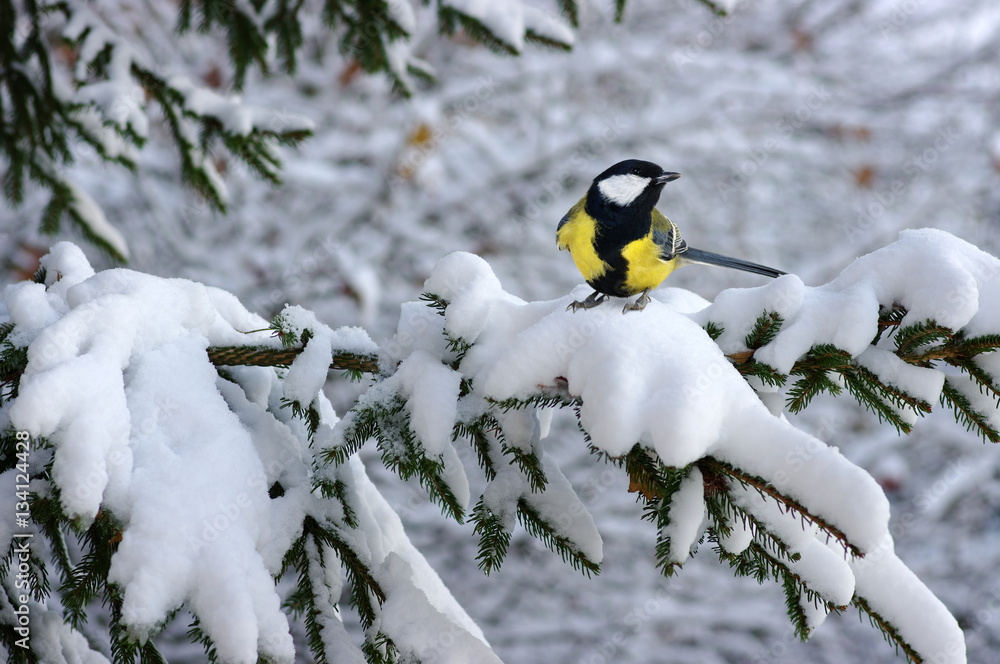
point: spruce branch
(881, 399)
(307, 601)
(648, 476)
(436, 302)
(88, 578)
(31, 571)
(366, 592)
(408, 460)
(766, 557)
(766, 373)
(47, 514)
(975, 345)
(714, 466)
(268, 356)
(966, 413)
(368, 29)
(758, 563)
(494, 538)
(668, 482)
(308, 413)
(888, 630)
(528, 462)
(914, 337)
(197, 635)
(920, 345)
(885, 400)
(40, 124)
(544, 40)
(337, 490)
(478, 433)
(823, 357)
(542, 530)
(570, 11)
(69, 200)
(13, 362)
(793, 586)
(764, 330)
(359, 426)
(545, 397)
(457, 347)
(451, 20)
(888, 319)
(723, 511)
(246, 40)
(986, 381)
(389, 424)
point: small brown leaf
(864, 176)
(350, 72)
(637, 487)
(742, 357)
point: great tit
(622, 244)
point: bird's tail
(693, 255)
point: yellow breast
(645, 267)
(577, 235)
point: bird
(623, 245)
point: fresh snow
(657, 379)
(504, 19)
(90, 214)
(119, 385)
(145, 430)
(687, 516)
(897, 595)
(793, 113)
(935, 275)
(308, 372)
(119, 97)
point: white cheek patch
(623, 189)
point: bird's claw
(639, 304)
(592, 301)
(596, 298)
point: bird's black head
(632, 183)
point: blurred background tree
(808, 133)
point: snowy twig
(889, 631)
(265, 356)
(713, 467)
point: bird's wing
(566, 217)
(667, 237)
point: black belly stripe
(612, 282)
(620, 227)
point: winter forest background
(807, 133)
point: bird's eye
(636, 171)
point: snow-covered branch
(167, 457)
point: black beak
(666, 177)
